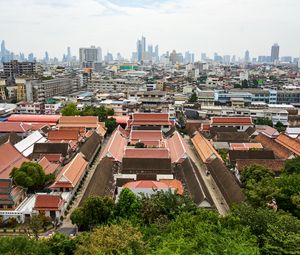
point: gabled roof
(279, 150)
(178, 148)
(150, 119)
(45, 202)
(115, 147)
(275, 165)
(11, 138)
(16, 127)
(78, 121)
(226, 182)
(231, 137)
(245, 146)
(88, 149)
(71, 173)
(26, 145)
(49, 148)
(214, 130)
(9, 158)
(231, 121)
(204, 148)
(48, 167)
(146, 135)
(234, 155)
(290, 143)
(66, 135)
(33, 118)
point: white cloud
(223, 26)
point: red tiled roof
(9, 158)
(17, 127)
(245, 146)
(150, 119)
(120, 119)
(33, 118)
(146, 153)
(52, 157)
(290, 143)
(178, 148)
(48, 202)
(146, 135)
(231, 121)
(66, 135)
(48, 167)
(162, 184)
(115, 146)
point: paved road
(67, 221)
(214, 191)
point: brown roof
(89, 148)
(131, 152)
(226, 182)
(234, 155)
(275, 165)
(290, 143)
(245, 146)
(214, 130)
(150, 119)
(231, 137)
(279, 150)
(144, 165)
(49, 148)
(48, 203)
(78, 121)
(9, 158)
(231, 121)
(66, 135)
(11, 138)
(17, 127)
(204, 148)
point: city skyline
(181, 25)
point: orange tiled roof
(66, 135)
(33, 118)
(204, 148)
(78, 121)
(245, 146)
(9, 158)
(146, 135)
(178, 148)
(48, 167)
(71, 173)
(290, 143)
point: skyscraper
(143, 44)
(69, 56)
(275, 52)
(247, 56)
(139, 50)
(3, 48)
(46, 57)
(156, 53)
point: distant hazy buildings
(89, 56)
(275, 52)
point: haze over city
(223, 26)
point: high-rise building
(247, 56)
(46, 59)
(15, 68)
(3, 48)
(139, 50)
(203, 57)
(88, 56)
(275, 52)
(150, 49)
(156, 53)
(173, 57)
(69, 56)
(143, 44)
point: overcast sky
(223, 26)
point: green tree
(193, 98)
(36, 224)
(22, 246)
(255, 173)
(264, 121)
(139, 145)
(204, 234)
(70, 110)
(280, 127)
(111, 125)
(30, 175)
(122, 238)
(292, 166)
(128, 205)
(61, 244)
(95, 211)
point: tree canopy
(31, 175)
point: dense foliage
(102, 112)
(165, 223)
(31, 175)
